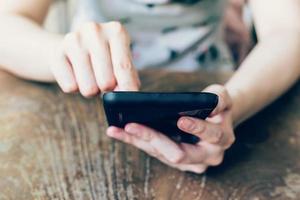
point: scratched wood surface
(53, 146)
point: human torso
(165, 34)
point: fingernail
(112, 132)
(131, 129)
(187, 124)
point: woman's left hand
(216, 134)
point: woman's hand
(96, 58)
(216, 135)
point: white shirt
(177, 36)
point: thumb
(224, 102)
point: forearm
(25, 48)
(270, 69)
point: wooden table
(53, 146)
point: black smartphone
(159, 111)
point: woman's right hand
(94, 59)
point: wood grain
(53, 146)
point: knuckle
(217, 136)
(139, 84)
(177, 158)
(217, 88)
(232, 138)
(217, 161)
(71, 40)
(69, 88)
(222, 89)
(93, 33)
(199, 169)
(128, 140)
(108, 85)
(230, 141)
(222, 102)
(71, 37)
(118, 30)
(125, 65)
(180, 167)
(90, 26)
(149, 136)
(200, 127)
(89, 91)
(117, 27)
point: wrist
(49, 50)
(238, 101)
(51, 46)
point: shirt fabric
(164, 33)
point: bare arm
(271, 68)
(96, 58)
(274, 64)
(24, 45)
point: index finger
(119, 43)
